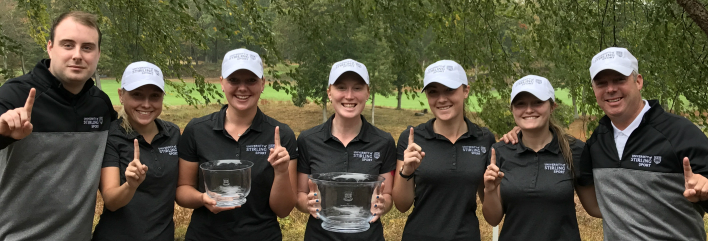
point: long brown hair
(564, 141)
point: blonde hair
(126, 123)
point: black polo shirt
(446, 183)
(537, 191)
(372, 151)
(641, 194)
(205, 139)
(148, 216)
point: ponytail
(122, 115)
(125, 124)
(564, 141)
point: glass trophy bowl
(228, 182)
(346, 200)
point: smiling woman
(367, 149)
(240, 130)
(441, 162)
(535, 178)
(139, 172)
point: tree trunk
(400, 94)
(373, 96)
(575, 107)
(98, 79)
(697, 12)
(582, 98)
(191, 50)
(22, 59)
(216, 47)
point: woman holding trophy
(238, 131)
(345, 143)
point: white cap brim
(540, 94)
(257, 71)
(452, 84)
(594, 70)
(333, 79)
(138, 84)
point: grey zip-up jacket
(48, 180)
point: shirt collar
(363, 132)
(635, 123)
(218, 122)
(45, 76)
(552, 146)
(161, 130)
(472, 130)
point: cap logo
(146, 70)
(253, 57)
(523, 82)
(346, 64)
(449, 68)
(239, 56)
(538, 81)
(619, 53)
(608, 55)
(358, 65)
(436, 69)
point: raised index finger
(687, 171)
(136, 149)
(276, 138)
(30, 101)
(494, 157)
(411, 137)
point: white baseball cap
(446, 72)
(617, 59)
(535, 85)
(241, 59)
(142, 73)
(347, 65)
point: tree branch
(697, 12)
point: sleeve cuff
(6, 141)
(585, 181)
(303, 170)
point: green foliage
(670, 49)
(563, 114)
(497, 41)
(497, 116)
(154, 31)
(7, 46)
